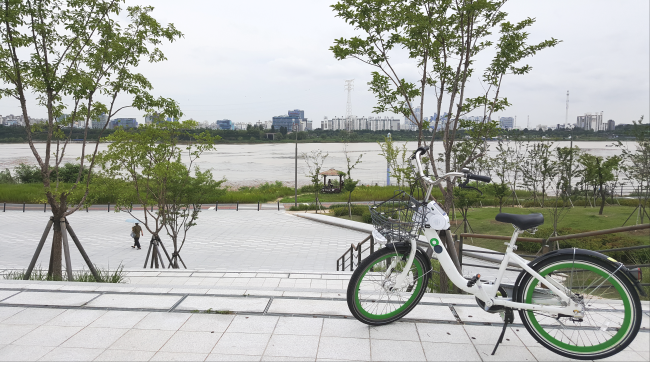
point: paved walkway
(272, 317)
(224, 240)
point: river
(253, 164)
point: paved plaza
(223, 240)
(228, 316)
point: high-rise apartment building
(355, 123)
(99, 122)
(294, 117)
(124, 123)
(410, 122)
(507, 123)
(225, 124)
(611, 125)
(590, 121)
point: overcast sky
(252, 60)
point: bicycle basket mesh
(399, 218)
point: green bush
(342, 210)
(306, 207)
(595, 243)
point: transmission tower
(566, 117)
(349, 86)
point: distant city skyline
(249, 69)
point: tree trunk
(602, 200)
(54, 271)
(444, 281)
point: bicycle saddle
(523, 222)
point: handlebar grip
(422, 149)
(482, 178)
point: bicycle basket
(399, 218)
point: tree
(399, 166)
(637, 168)
(148, 163)
(598, 172)
(315, 161)
(443, 40)
(502, 165)
(69, 55)
(348, 183)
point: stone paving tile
(47, 336)
(241, 344)
(299, 326)
(100, 338)
(253, 324)
(287, 345)
(12, 332)
(397, 331)
(345, 328)
(155, 290)
(431, 312)
(217, 323)
(142, 340)
(178, 357)
(23, 353)
(217, 303)
(191, 342)
(185, 290)
(33, 316)
(641, 342)
(79, 288)
(226, 292)
(162, 321)
(6, 312)
(524, 336)
(128, 301)
(349, 349)
(286, 359)
(476, 314)
(264, 293)
(6, 294)
(50, 298)
(489, 335)
(504, 353)
(450, 352)
(325, 307)
(118, 319)
(301, 294)
(118, 355)
(217, 357)
(385, 350)
(442, 333)
(76, 318)
(623, 356)
(541, 354)
(71, 354)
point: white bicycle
(577, 303)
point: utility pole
(388, 167)
(349, 87)
(296, 167)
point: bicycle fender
(613, 262)
(407, 246)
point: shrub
(342, 210)
(595, 243)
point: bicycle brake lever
(465, 186)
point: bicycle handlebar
(482, 178)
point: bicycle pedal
(474, 279)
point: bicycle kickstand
(508, 318)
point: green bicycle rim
(417, 290)
(625, 327)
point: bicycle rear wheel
(372, 295)
(612, 309)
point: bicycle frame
(487, 291)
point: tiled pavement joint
(268, 305)
(453, 311)
(178, 303)
(7, 298)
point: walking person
(136, 232)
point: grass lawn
(578, 218)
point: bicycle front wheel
(373, 296)
(612, 309)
